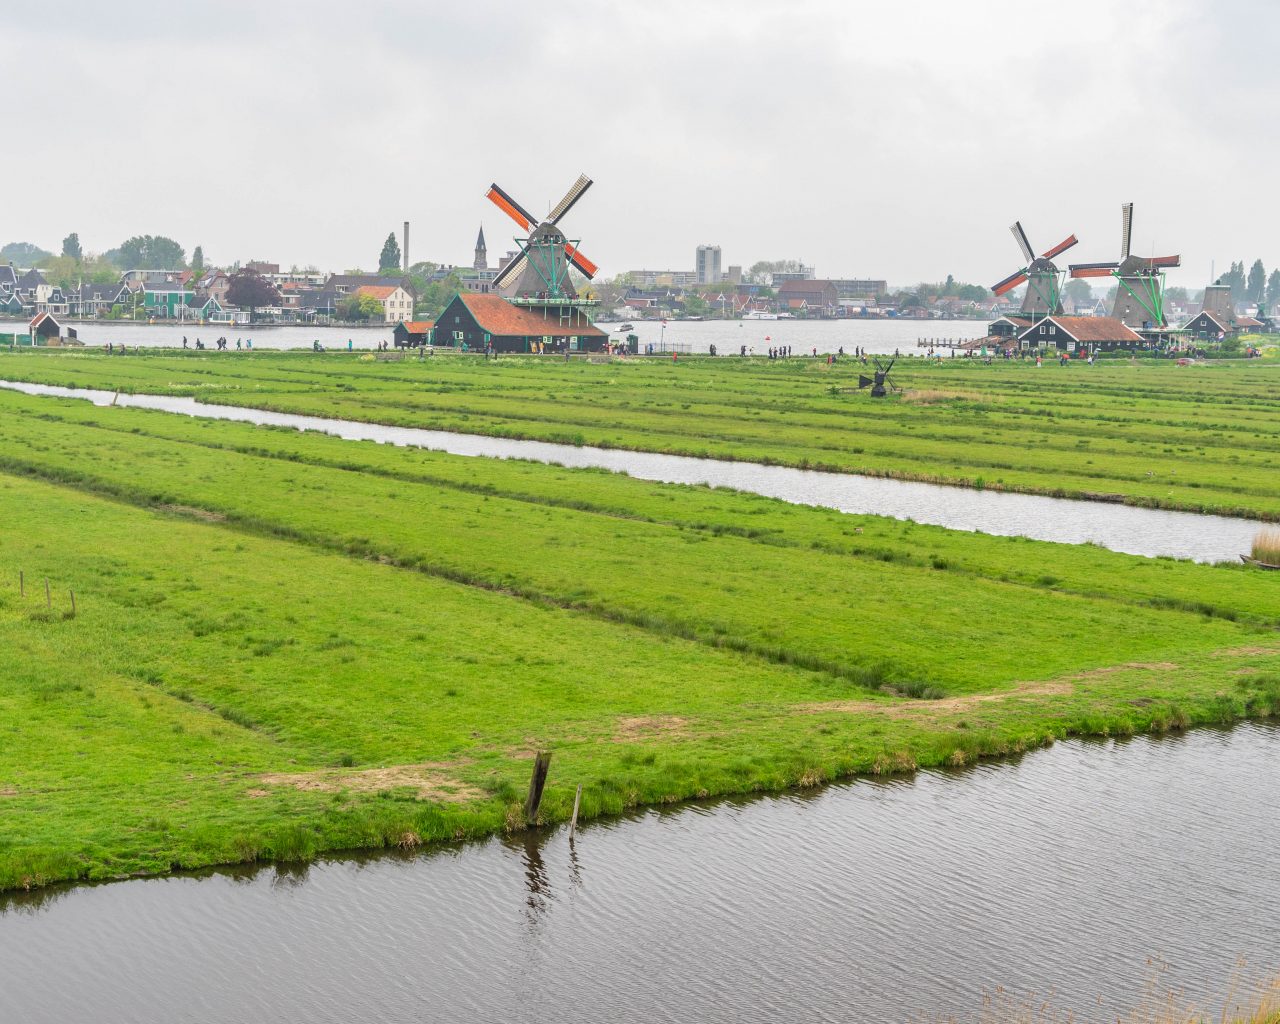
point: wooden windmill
(1042, 277)
(1139, 279)
(541, 271)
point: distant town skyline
(895, 142)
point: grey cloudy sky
(887, 139)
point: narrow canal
(1059, 875)
(1135, 531)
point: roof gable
(1087, 328)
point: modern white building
(707, 264)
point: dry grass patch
(932, 396)
(649, 726)
(191, 512)
(428, 781)
(1266, 546)
(933, 708)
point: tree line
(1256, 286)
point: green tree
(71, 246)
(1256, 290)
(390, 258)
(431, 300)
(763, 271)
(1235, 279)
(971, 292)
(1273, 288)
(197, 260)
(67, 272)
(359, 307)
(151, 252)
(24, 254)
(695, 305)
(1078, 291)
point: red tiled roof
(497, 316)
(1090, 328)
(418, 326)
(379, 292)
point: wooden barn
(476, 321)
(1080, 333)
(1007, 328)
(45, 326)
(1211, 326)
(413, 333)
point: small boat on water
(757, 314)
(1260, 565)
(625, 327)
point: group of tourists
(221, 344)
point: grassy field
(1199, 438)
(285, 642)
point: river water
(1059, 874)
(1137, 531)
(881, 336)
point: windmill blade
(890, 366)
(511, 270)
(1126, 229)
(1020, 237)
(511, 208)
(580, 261)
(1092, 269)
(1060, 248)
(572, 196)
(1009, 283)
(864, 381)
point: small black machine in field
(880, 383)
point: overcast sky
(892, 139)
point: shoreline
(471, 823)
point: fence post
(537, 782)
(573, 822)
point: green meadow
(1199, 438)
(285, 643)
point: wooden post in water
(48, 596)
(573, 822)
(541, 764)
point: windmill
(1043, 296)
(1139, 279)
(541, 271)
(880, 383)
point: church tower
(482, 256)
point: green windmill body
(1139, 280)
(546, 271)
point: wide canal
(1061, 875)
